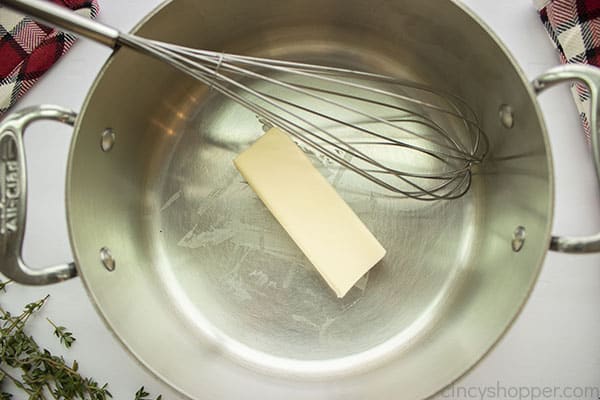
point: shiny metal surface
(107, 140)
(13, 197)
(408, 138)
(204, 287)
(210, 293)
(591, 78)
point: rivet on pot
(518, 240)
(107, 259)
(507, 116)
(107, 140)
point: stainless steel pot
(171, 244)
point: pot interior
(208, 287)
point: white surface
(554, 341)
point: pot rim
(540, 259)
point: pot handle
(589, 76)
(13, 197)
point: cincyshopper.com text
(501, 392)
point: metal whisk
(408, 138)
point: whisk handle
(47, 12)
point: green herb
(36, 371)
(65, 337)
(143, 395)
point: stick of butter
(325, 228)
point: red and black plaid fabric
(574, 26)
(29, 49)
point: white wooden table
(555, 341)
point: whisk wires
(390, 131)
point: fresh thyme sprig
(63, 335)
(36, 371)
(143, 395)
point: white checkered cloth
(29, 49)
(574, 27)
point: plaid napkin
(574, 26)
(29, 49)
